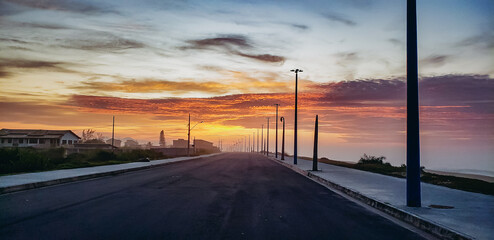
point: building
(179, 143)
(202, 144)
(116, 142)
(38, 138)
(131, 144)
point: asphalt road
(228, 196)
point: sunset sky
(68, 64)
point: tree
(100, 137)
(87, 134)
(162, 138)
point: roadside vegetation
(21, 160)
(378, 165)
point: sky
(67, 64)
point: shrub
(371, 159)
(102, 156)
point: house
(131, 144)
(116, 142)
(38, 138)
(204, 146)
(179, 143)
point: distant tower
(162, 138)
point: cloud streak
(232, 44)
(62, 5)
(335, 17)
(9, 67)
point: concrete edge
(428, 226)
(27, 186)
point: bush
(22, 160)
(372, 160)
(16, 160)
(102, 156)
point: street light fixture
(276, 146)
(282, 119)
(295, 126)
(267, 139)
(188, 135)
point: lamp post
(253, 141)
(276, 146)
(267, 139)
(188, 135)
(262, 138)
(283, 140)
(113, 136)
(258, 140)
(295, 125)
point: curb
(428, 226)
(27, 186)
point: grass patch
(381, 167)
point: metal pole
(262, 139)
(253, 141)
(314, 158)
(113, 136)
(248, 150)
(283, 140)
(258, 140)
(267, 141)
(413, 134)
(276, 146)
(188, 139)
(295, 123)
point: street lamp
(267, 139)
(276, 146)
(262, 138)
(295, 127)
(188, 136)
(283, 140)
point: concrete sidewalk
(26, 181)
(472, 215)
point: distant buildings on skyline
(42, 138)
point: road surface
(227, 196)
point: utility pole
(188, 135)
(413, 134)
(248, 150)
(113, 135)
(276, 146)
(295, 125)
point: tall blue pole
(413, 134)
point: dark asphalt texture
(228, 196)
